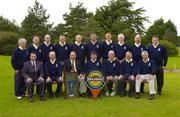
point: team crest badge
(82, 47)
(131, 64)
(97, 64)
(114, 65)
(149, 64)
(97, 46)
(51, 48)
(66, 48)
(111, 46)
(159, 49)
(142, 49)
(56, 65)
(39, 50)
(124, 47)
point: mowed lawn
(165, 105)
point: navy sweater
(111, 68)
(158, 54)
(19, 57)
(121, 50)
(31, 49)
(106, 48)
(52, 70)
(45, 51)
(93, 65)
(62, 52)
(128, 68)
(136, 52)
(97, 47)
(80, 51)
(146, 68)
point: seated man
(146, 69)
(53, 72)
(127, 72)
(74, 65)
(93, 63)
(33, 72)
(111, 68)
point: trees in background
(118, 16)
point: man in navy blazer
(33, 72)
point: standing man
(146, 69)
(62, 50)
(136, 50)
(53, 72)
(111, 68)
(93, 45)
(121, 48)
(46, 47)
(79, 48)
(33, 72)
(107, 45)
(35, 47)
(158, 53)
(127, 72)
(74, 65)
(19, 57)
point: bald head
(52, 55)
(111, 54)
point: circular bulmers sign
(95, 79)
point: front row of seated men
(116, 74)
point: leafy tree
(36, 22)
(165, 30)
(7, 25)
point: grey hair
(22, 40)
(144, 52)
(111, 51)
(121, 35)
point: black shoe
(151, 97)
(31, 100)
(137, 95)
(42, 98)
(160, 91)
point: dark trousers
(160, 78)
(49, 86)
(30, 87)
(19, 84)
(122, 84)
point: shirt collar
(137, 45)
(46, 43)
(52, 62)
(120, 43)
(129, 60)
(77, 43)
(146, 60)
(93, 42)
(108, 42)
(72, 61)
(35, 46)
(62, 43)
(155, 46)
(93, 60)
(21, 48)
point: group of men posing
(44, 63)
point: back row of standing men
(157, 52)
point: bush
(171, 48)
(8, 41)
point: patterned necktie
(72, 66)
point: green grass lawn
(163, 106)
